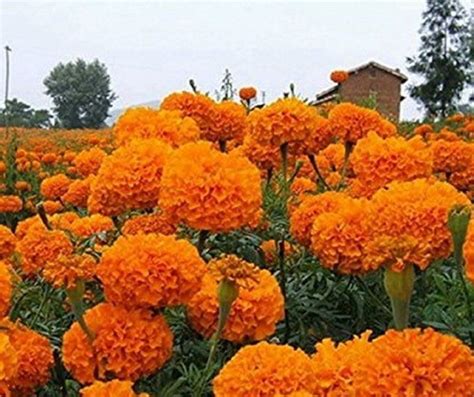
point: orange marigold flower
(302, 218)
(20, 153)
(3, 167)
(10, 203)
(452, 156)
(264, 156)
(469, 252)
(210, 190)
(129, 178)
(89, 161)
(247, 93)
(339, 238)
(167, 125)
(423, 130)
(35, 358)
(335, 366)
(150, 271)
(40, 246)
(254, 313)
(197, 106)
(7, 242)
(286, 121)
(228, 122)
(52, 207)
(377, 162)
(114, 388)
(55, 186)
(350, 122)
(89, 225)
(264, 370)
(78, 192)
(416, 362)
(8, 361)
(302, 185)
(49, 158)
(464, 180)
(69, 156)
(127, 344)
(409, 222)
(62, 221)
(339, 76)
(6, 289)
(159, 222)
(22, 186)
(66, 270)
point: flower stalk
(75, 298)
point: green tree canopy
(81, 93)
(19, 114)
(444, 60)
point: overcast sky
(154, 47)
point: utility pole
(7, 81)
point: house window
(372, 73)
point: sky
(152, 48)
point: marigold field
(232, 249)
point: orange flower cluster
(127, 344)
(423, 130)
(330, 162)
(289, 121)
(10, 204)
(210, 190)
(469, 252)
(409, 222)
(52, 207)
(339, 238)
(129, 178)
(377, 162)
(270, 253)
(247, 93)
(7, 242)
(150, 271)
(78, 192)
(54, 187)
(302, 185)
(166, 125)
(339, 76)
(302, 218)
(114, 388)
(158, 222)
(8, 364)
(40, 246)
(350, 123)
(6, 289)
(197, 106)
(410, 362)
(228, 122)
(89, 161)
(265, 370)
(255, 312)
(34, 356)
(452, 156)
(66, 270)
(90, 225)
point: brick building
(370, 79)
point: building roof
(329, 93)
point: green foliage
(445, 57)
(81, 93)
(19, 114)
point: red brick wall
(369, 81)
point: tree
(81, 93)
(444, 59)
(19, 114)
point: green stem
(399, 287)
(202, 240)
(75, 298)
(347, 153)
(321, 179)
(222, 146)
(281, 261)
(362, 282)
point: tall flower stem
(222, 145)
(281, 263)
(75, 298)
(348, 146)
(321, 179)
(399, 287)
(202, 240)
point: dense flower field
(232, 249)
